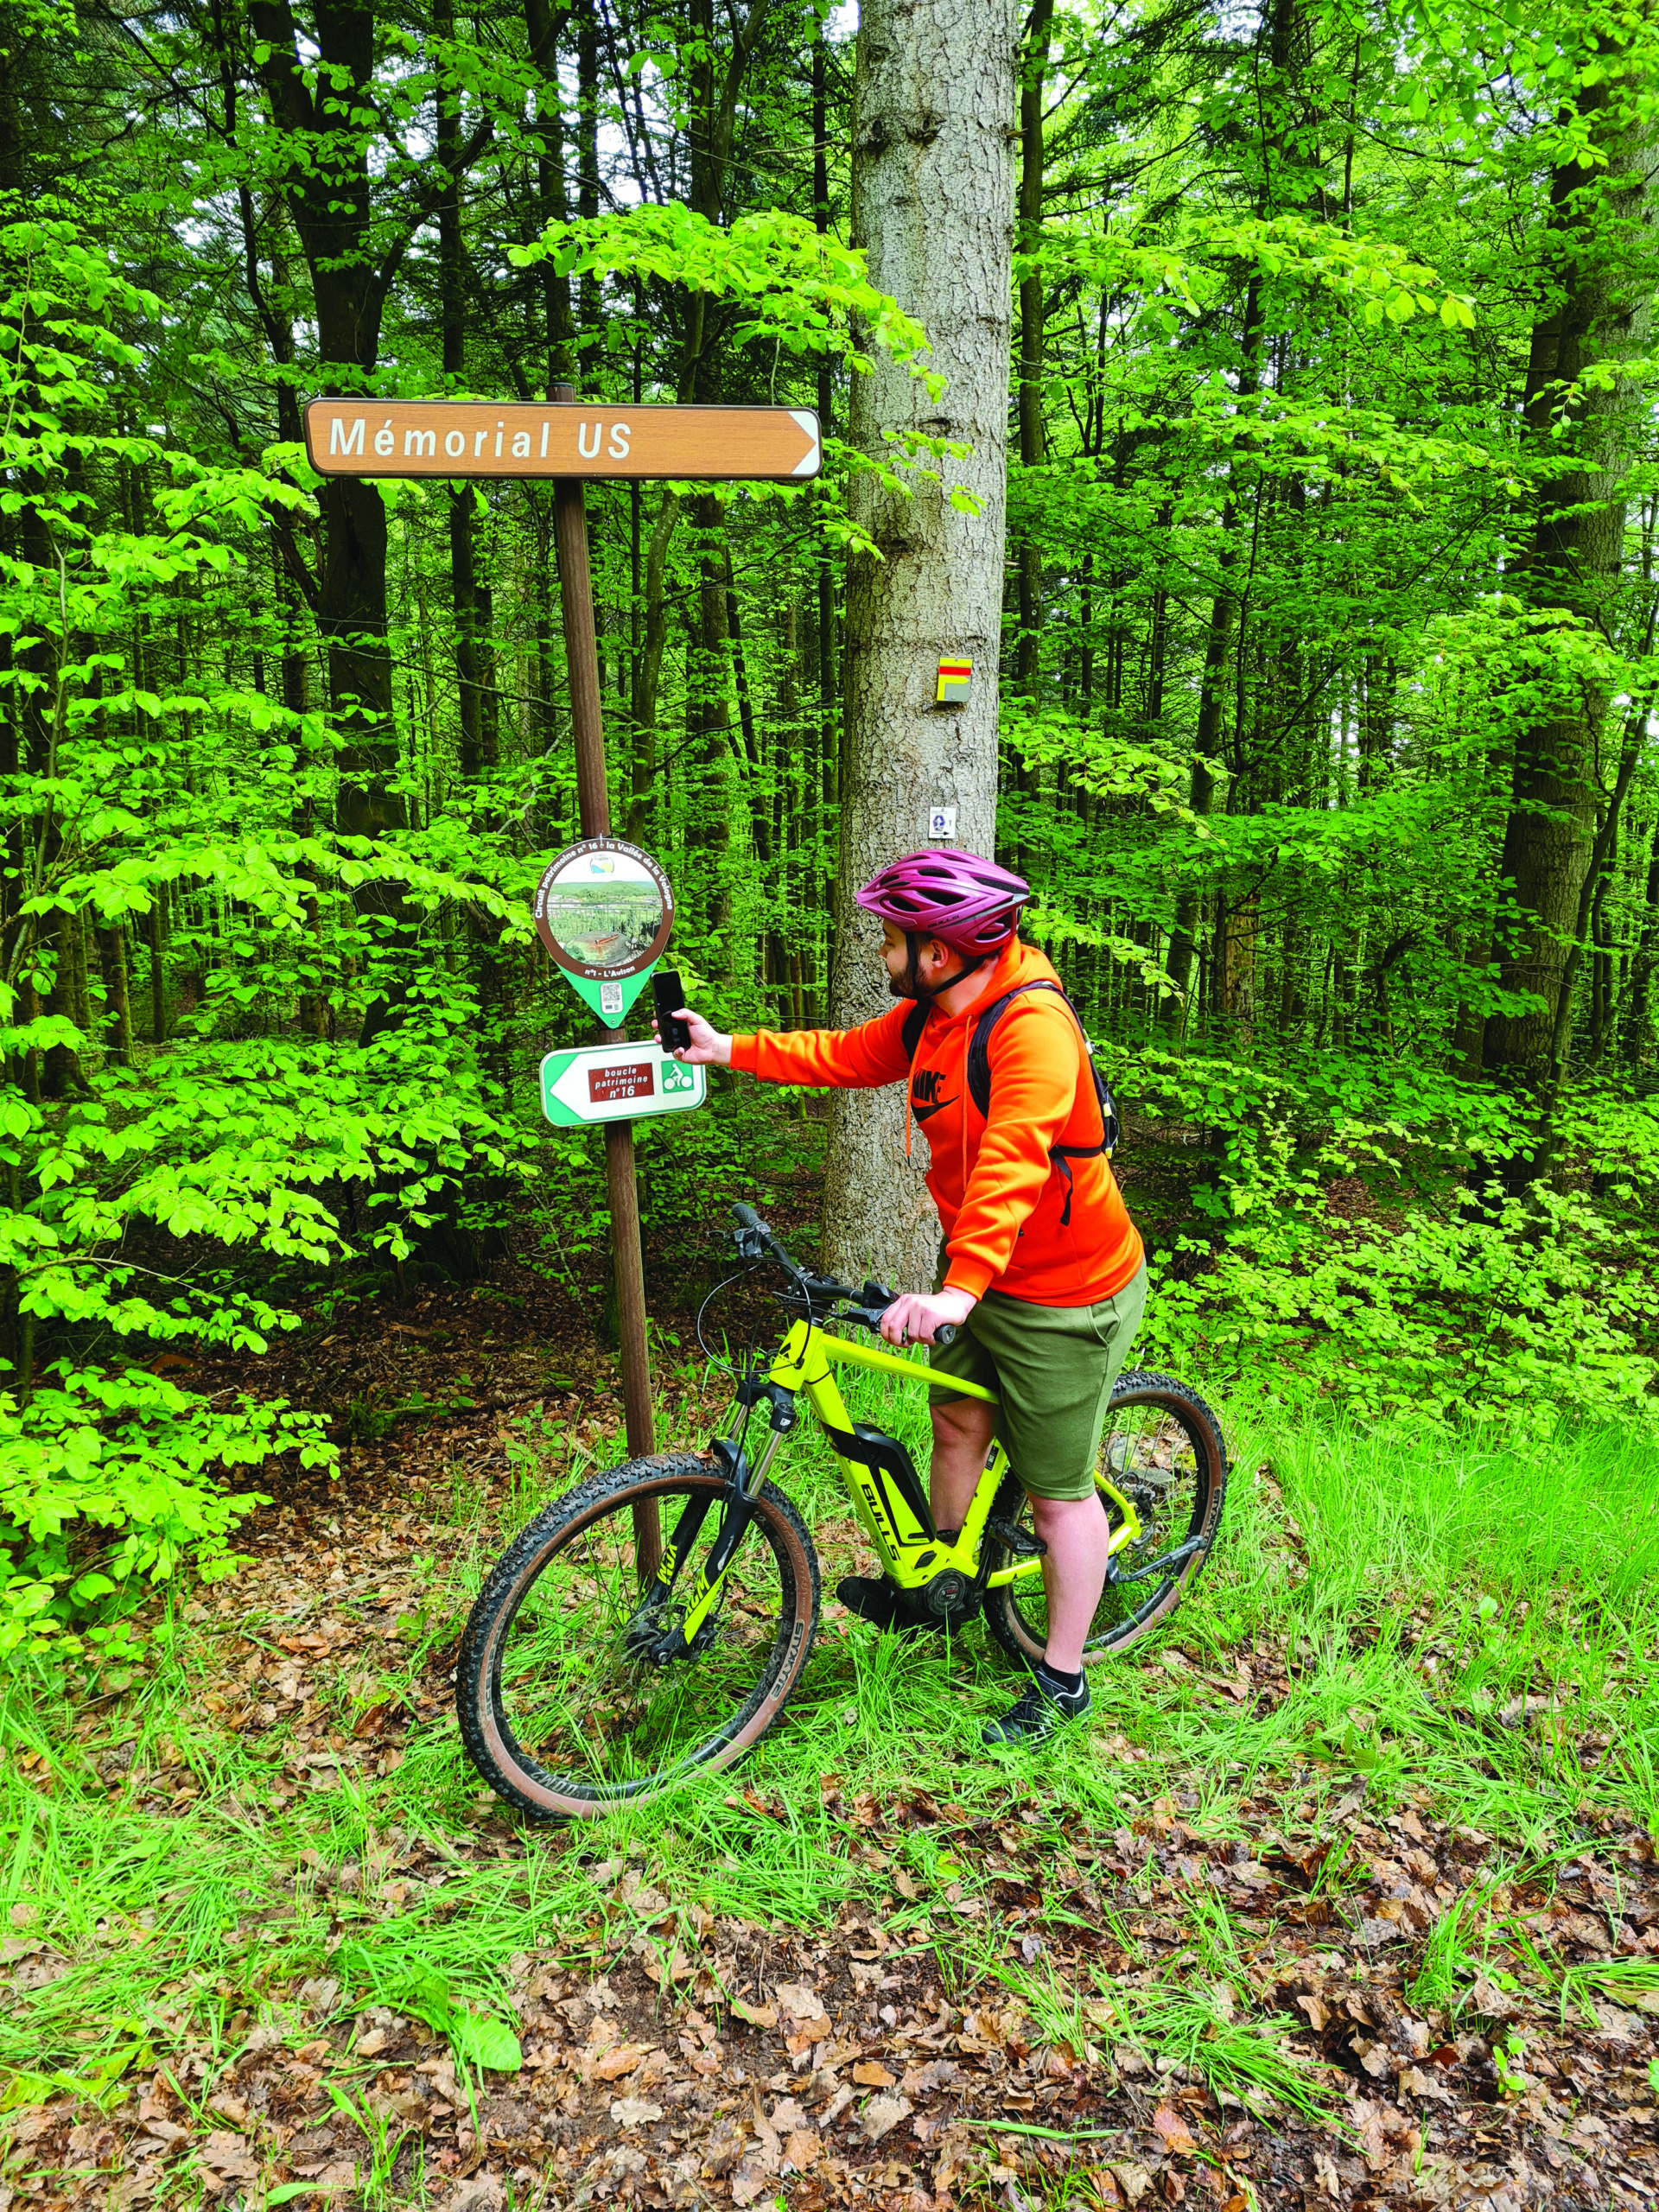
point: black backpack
(979, 1076)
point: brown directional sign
(458, 438)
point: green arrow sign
(617, 1082)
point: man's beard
(902, 986)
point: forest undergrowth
(1348, 1896)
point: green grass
(1419, 1587)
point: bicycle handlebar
(864, 1309)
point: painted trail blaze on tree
(449, 438)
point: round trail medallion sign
(604, 911)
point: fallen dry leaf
(724, 2148)
(226, 2155)
(1178, 2136)
(937, 2074)
(803, 2149)
(872, 2075)
(612, 2065)
(758, 2016)
(634, 2112)
(882, 2114)
(754, 2177)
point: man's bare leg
(1074, 1529)
(962, 1444)
(1078, 1538)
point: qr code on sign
(610, 998)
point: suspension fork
(743, 1485)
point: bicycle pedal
(1023, 1544)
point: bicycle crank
(947, 1594)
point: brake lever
(870, 1317)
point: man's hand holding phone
(686, 1035)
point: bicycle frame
(888, 1501)
(909, 1546)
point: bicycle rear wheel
(1163, 1448)
(561, 1714)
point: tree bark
(1571, 562)
(934, 209)
(1032, 439)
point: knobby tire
(554, 1548)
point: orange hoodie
(999, 1194)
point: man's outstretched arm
(843, 1059)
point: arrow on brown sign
(454, 438)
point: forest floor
(1348, 1898)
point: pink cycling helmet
(963, 901)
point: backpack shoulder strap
(979, 1045)
(979, 1083)
(910, 1030)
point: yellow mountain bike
(602, 1664)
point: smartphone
(668, 994)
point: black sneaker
(893, 1610)
(1040, 1713)
(873, 1598)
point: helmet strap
(922, 992)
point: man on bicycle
(1044, 1274)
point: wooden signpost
(566, 440)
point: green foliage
(1426, 1290)
(797, 287)
(236, 1139)
(389, 1974)
(133, 1457)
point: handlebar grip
(946, 1333)
(747, 1217)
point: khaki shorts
(1053, 1369)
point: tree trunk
(826, 795)
(1031, 328)
(587, 176)
(543, 25)
(1571, 562)
(327, 185)
(1213, 689)
(1638, 1013)
(934, 209)
(463, 567)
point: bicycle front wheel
(564, 1707)
(1163, 1450)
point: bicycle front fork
(659, 1642)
